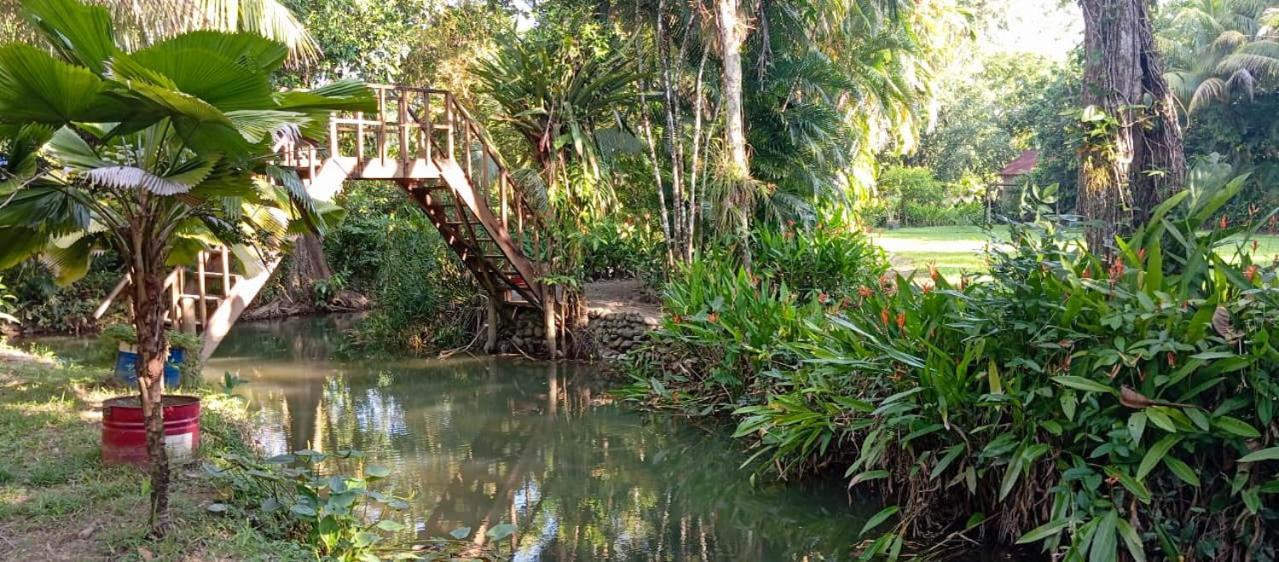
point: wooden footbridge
(426, 143)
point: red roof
(1022, 165)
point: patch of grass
(955, 250)
(59, 502)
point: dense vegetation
(1110, 399)
(1091, 406)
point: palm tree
(563, 102)
(1218, 50)
(140, 22)
(153, 152)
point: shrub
(830, 257)
(42, 305)
(726, 330)
(915, 197)
(420, 282)
(623, 249)
(1089, 406)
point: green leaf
(877, 519)
(500, 532)
(867, 476)
(460, 533)
(390, 526)
(1086, 385)
(1161, 420)
(1155, 454)
(1236, 427)
(376, 471)
(80, 32)
(1132, 541)
(1271, 454)
(1182, 470)
(1131, 484)
(1050, 529)
(1105, 541)
(35, 87)
(1137, 426)
(951, 454)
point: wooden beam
(235, 304)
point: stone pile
(615, 334)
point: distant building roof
(1021, 166)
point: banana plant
(156, 152)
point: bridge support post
(548, 315)
(490, 345)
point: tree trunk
(309, 265)
(732, 33)
(1131, 163)
(149, 308)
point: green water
(479, 442)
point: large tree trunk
(309, 265)
(1138, 159)
(149, 307)
(732, 33)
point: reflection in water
(479, 442)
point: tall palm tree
(1218, 50)
(152, 152)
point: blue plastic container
(126, 367)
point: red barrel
(124, 433)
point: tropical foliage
(142, 152)
(1134, 395)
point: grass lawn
(964, 249)
(59, 502)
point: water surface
(480, 442)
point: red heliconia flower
(1172, 359)
(1255, 243)
(1250, 273)
(676, 319)
(928, 288)
(932, 271)
(1116, 269)
(1224, 222)
(864, 292)
(1087, 273)
(712, 317)
(1141, 255)
(822, 298)
(901, 320)
(883, 316)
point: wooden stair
(425, 142)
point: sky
(1047, 27)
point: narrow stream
(481, 442)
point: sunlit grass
(955, 250)
(59, 502)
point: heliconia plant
(1097, 408)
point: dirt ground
(625, 295)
